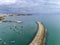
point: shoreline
(40, 35)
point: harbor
(22, 30)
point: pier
(40, 35)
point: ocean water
(23, 33)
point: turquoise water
(23, 33)
(52, 23)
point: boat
(16, 21)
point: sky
(29, 6)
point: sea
(22, 33)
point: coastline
(39, 38)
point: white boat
(11, 21)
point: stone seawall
(39, 38)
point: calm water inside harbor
(21, 34)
